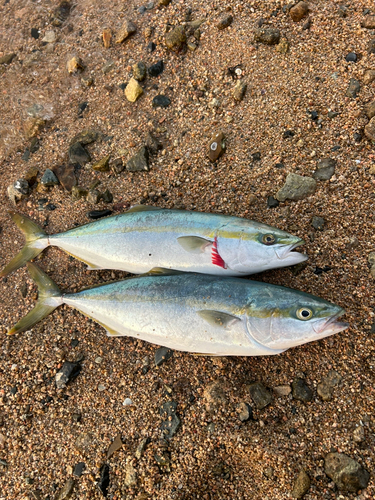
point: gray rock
(102, 165)
(371, 46)
(369, 76)
(107, 196)
(68, 372)
(66, 491)
(301, 485)
(347, 474)
(176, 38)
(370, 129)
(353, 88)
(117, 165)
(217, 147)
(84, 443)
(245, 412)
(325, 169)
(8, 58)
(370, 109)
(78, 154)
(170, 426)
(282, 390)
(18, 190)
(296, 187)
(103, 483)
(268, 36)
(66, 176)
(49, 179)
(299, 11)
(318, 223)
(139, 162)
(325, 387)
(93, 196)
(79, 468)
(108, 66)
(87, 136)
(239, 90)
(139, 71)
(127, 29)
(214, 396)
(260, 395)
(153, 144)
(301, 391)
(162, 354)
(156, 69)
(224, 22)
(161, 101)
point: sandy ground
(213, 455)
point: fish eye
(268, 239)
(304, 313)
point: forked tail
(49, 297)
(36, 242)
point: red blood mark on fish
(216, 259)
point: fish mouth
(331, 325)
(287, 252)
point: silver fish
(144, 238)
(219, 316)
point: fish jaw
(288, 256)
(330, 326)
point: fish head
(280, 318)
(257, 247)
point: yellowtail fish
(213, 315)
(146, 237)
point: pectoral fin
(161, 271)
(218, 318)
(194, 244)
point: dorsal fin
(142, 208)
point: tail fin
(49, 298)
(33, 246)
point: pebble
(107, 38)
(325, 169)
(74, 64)
(299, 11)
(239, 90)
(18, 190)
(68, 372)
(127, 29)
(346, 473)
(102, 165)
(78, 154)
(368, 22)
(161, 101)
(139, 161)
(369, 76)
(301, 391)
(282, 390)
(371, 46)
(103, 483)
(326, 386)
(272, 202)
(98, 214)
(87, 136)
(268, 36)
(245, 412)
(151, 47)
(93, 196)
(61, 13)
(170, 426)
(217, 147)
(156, 69)
(176, 38)
(84, 443)
(139, 71)
(296, 187)
(133, 90)
(49, 37)
(130, 476)
(141, 447)
(370, 129)
(318, 223)
(78, 193)
(127, 402)
(117, 165)
(224, 22)
(153, 144)
(7, 58)
(283, 46)
(66, 176)
(79, 468)
(353, 88)
(107, 196)
(108, 66)
(214, 396)
(359, 434)
(66, 491)
(370, 110)
(115, 446)
(33, 126)
(49, 179)
(301, 485)
(351, 57)
(260, 395)
(162, 354)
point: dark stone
(86, 137)
(35, 33)
(79, 468)
(26, 155)
(224, 22)
(176, 38)
(66, 491)
(351, 57)
(288, 133)
(151, 47)
(320, 270)
(77, 417)
(156, 69)
(260, 395)
(268, 36)
(170, 426)
(61, 13)
(107, 196)
(357, 136)
(162, 354)
(153, 144)
(97, 214)
(50, 207)
(21, 186)
(68, 372)
(7, 59)
(139, 73)
(371, 46)
(169, 408)
(332, 114)
(353, 88)
(301, 391)
(103, 483)
(272, 202)
(139, 162)
(336, 148)
(301, 485)
(318, 223)
(78, 154)
(66, 176)
(325, 169)
(74, 342)
(161, 101)
(49, 178)
(82, 106)
(117, 165)
(279, 165)
(347, 474)
(314, 115)
(34, 145)
(256, 156)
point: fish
(197, 313)
(144, 238)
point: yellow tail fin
(34, 244)
(49, 297)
